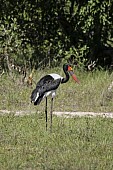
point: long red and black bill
(72, 74)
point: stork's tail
(36, 98)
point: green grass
(74, 144)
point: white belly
(52, 93)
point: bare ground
(65, 114)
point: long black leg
(51, 113)
(46, 113)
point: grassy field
(74, 144)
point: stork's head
(68, 68)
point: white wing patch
(37, 95)
(56, 76)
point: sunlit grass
(79, 143)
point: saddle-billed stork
(48, 84)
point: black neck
(64, 80)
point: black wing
(45, 84)
(44, 80)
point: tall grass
(89, 95)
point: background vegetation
(49, 32)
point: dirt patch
(65, 114)
(16, 113)
(80, 114)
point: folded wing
(46, 84)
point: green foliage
(37, 31)
(11, 42)
(75, 56)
